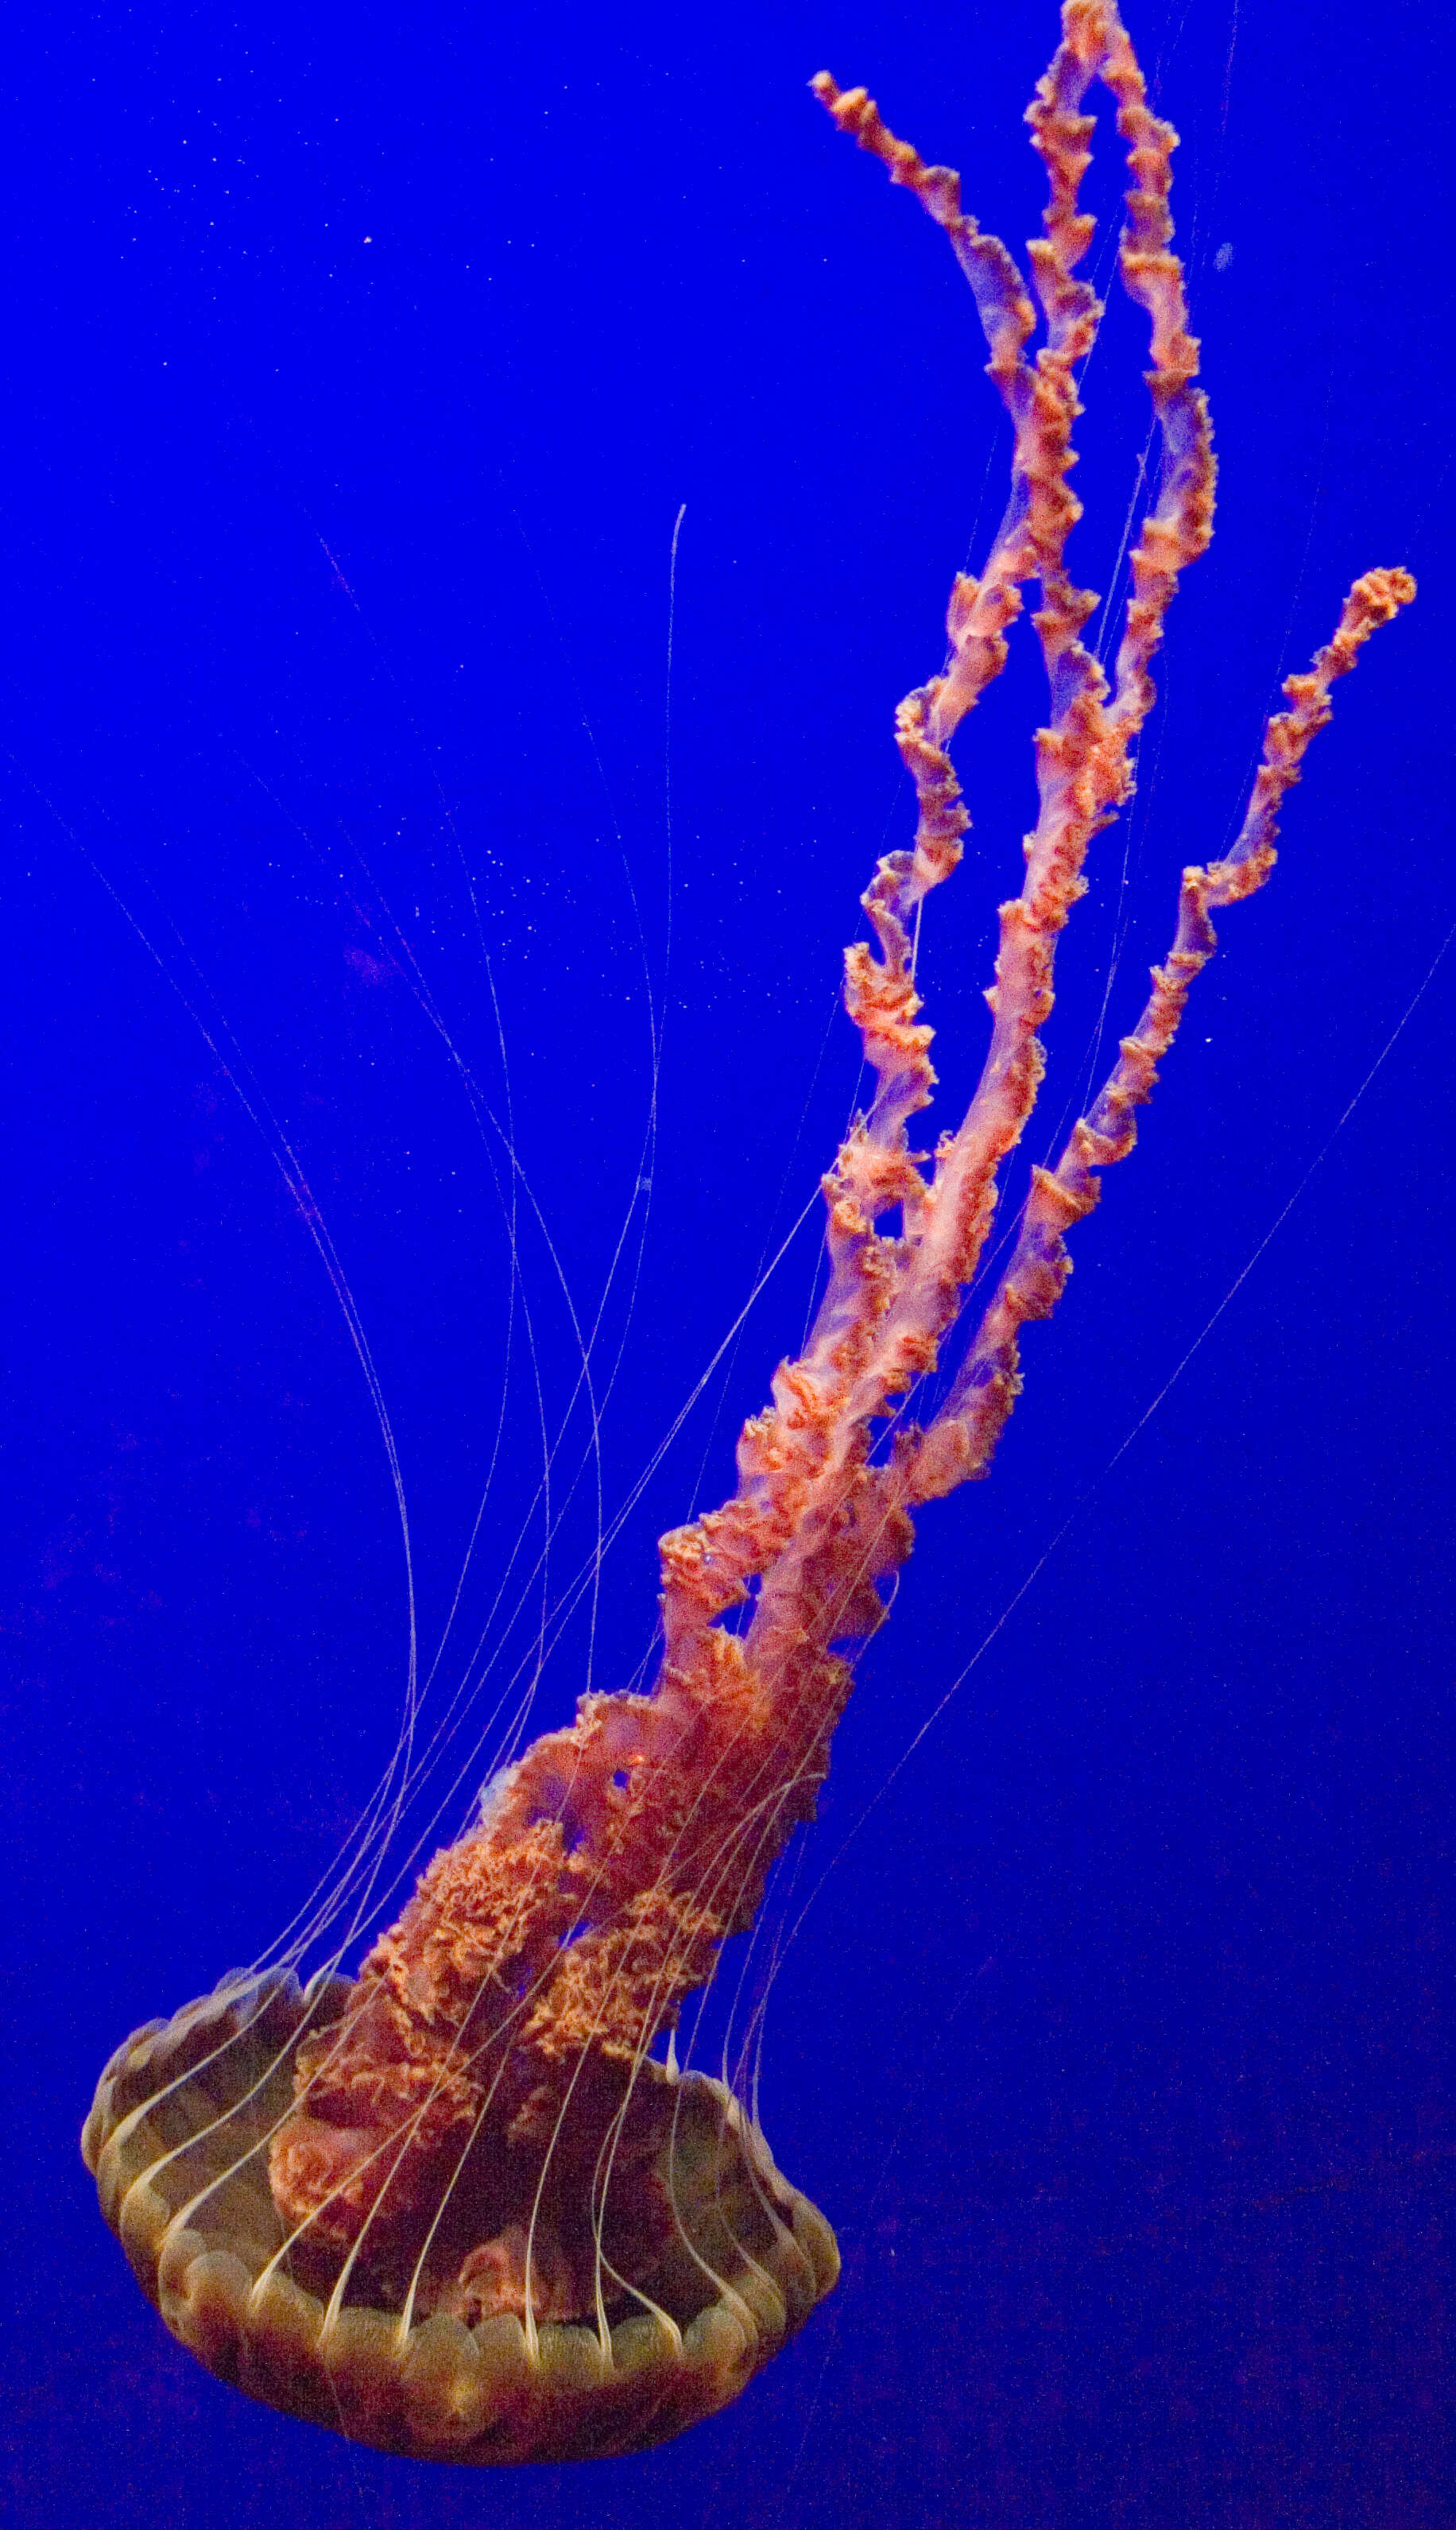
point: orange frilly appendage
(474, 2136)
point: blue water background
(356, 368)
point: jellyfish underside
(455, 2206)
(178, 2142)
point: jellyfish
(466, 2204)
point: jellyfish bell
(457, 2205)
(505, 2327)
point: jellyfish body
(457, 2206)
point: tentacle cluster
(474, 2126)
(541, 1956)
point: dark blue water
(357, 371)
